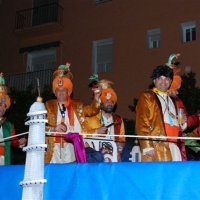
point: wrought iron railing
(39, 15)
(23, 80)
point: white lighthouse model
(34, 167)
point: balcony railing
(21, 81)
(39, 15)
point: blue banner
(106, 181)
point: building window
(153, 38)
(188, 31)
(101, 1)
(41, 60)
(102, 55)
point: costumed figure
(107, 122)
(6, 128)
(156, 115)
(66, 115)
(192, 121)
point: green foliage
(189, 93)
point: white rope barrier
(114, 135)
(7, 138)
(131, 136)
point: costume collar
(157, 91)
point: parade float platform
(106, 181)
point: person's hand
(60, 128)
(22, 141)
(97, 92)
(184, 118)
(151, 153)
(102, 130)
(104, 150)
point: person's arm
(122, 132)
(92, 109)
(19, 143)
(101, 130)
(143, 124)
(184, 122)
(191, 120)
(121, 140)
(97, 93)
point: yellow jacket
(81, 112)
(149, 122)
(95, 122)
